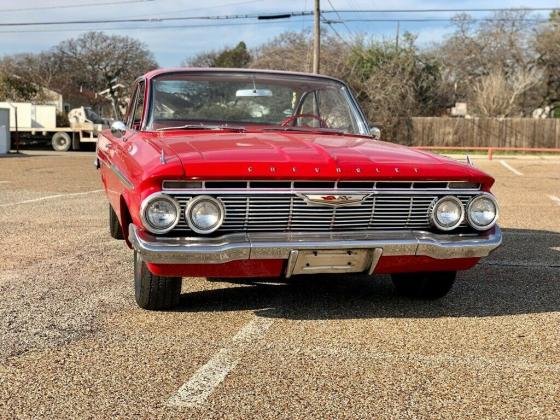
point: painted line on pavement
(511, 168)
(49, 197)
(555, 199)
(198, 388)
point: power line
(131, 28)
(494, 9)
(330, 23)
(266, 16)
(150, 19)
(215, 6)
(338, 14)
(71, 6)
(259, 22)
(535, 20)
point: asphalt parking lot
(74, 344)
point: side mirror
(118, 129)
(375, 132)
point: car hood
(284, 155)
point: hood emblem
(334, 199)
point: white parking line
(49, 197)
(511, 168)
(199, 387)
(555, 199)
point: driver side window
(334, 112)
(325, 107)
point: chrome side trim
(261, 245)
(124, 180)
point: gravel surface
(74, 344)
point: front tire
(428, 286)
(154, 292)
(114, 226)
(61, 142)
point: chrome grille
(289, 212)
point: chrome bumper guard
(261, 246)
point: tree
(395, 82)
(496, 95)
(292, 51)
(16, 89)
(547, 46)
(237, 57)
(499, 46)
(42, 69)
(96, 61)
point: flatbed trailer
(60, 138)
(36, 124)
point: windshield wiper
(306, 130)
(203, 127)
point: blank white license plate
(330, 261)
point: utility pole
(397, 38)
(316, 36)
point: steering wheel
(287, 121)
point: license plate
(329, 261)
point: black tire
(154, 292)
(429, 286)
(61, 142)
(114, 226)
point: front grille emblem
(334, 199)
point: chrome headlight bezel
(492, 199)
(197, 199)
(433, 213)
(150, 200)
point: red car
(248, 173)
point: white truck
(37, 123)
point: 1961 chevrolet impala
(246, 173)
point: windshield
(253, 101)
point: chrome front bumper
(261, 246)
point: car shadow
(521, 277)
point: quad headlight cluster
(448, 212)
(160, 213)
(204, 214)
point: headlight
(448, 213)
(159, 213)
(482, 212)
(204, 214)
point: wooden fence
(479, 132)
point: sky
(174, 41)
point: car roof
(170, 70)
